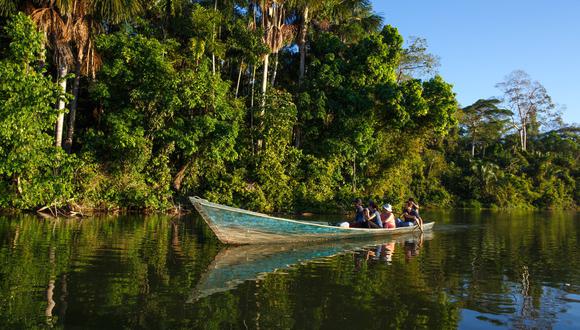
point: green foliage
(277, 160)
(33, 172)
(484, 123)
(203, 23)
(176, 127)
(26, 44)
(442, 106)
(138, 89)
(176, 110)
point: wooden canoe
(237, 226)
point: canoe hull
(239, 227)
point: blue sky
(480, 42)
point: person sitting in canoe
(411, 215)
(415, 211)
(359, 218)
(407, 220)
(388, 217)
(373, 216)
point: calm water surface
(477, 271)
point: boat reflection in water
(234, 265)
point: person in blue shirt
(373, 217)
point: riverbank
(185, 208)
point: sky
(481, 42)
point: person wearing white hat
(388, 217)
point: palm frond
(116, 10)
(51, 23)
(8, 7)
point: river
(477, 270)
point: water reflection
(481, 270)
(235, 265)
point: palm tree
(276, 33)
(52, 19)
(86, 59)
(348, 18)
(306, 11)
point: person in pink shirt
(388, 217)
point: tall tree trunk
(524, 138)
(273, 80)
(297, 135)
(16, 182)
(239, 77)
(253, 86)
(252, 108)
(260, 142)
(472, 148)
(302, 50)
(265, 80)
(73, 110)
(166, 19)
(521, 131)
(62, 72)
(302, 44)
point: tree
(530, 103)
(352, 20)
(415, 61)
(484, 121)
(355, 15)
(306, 11)
(276, 33)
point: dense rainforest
(271, 105)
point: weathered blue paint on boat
(236, 226)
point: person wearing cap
(388, 217)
